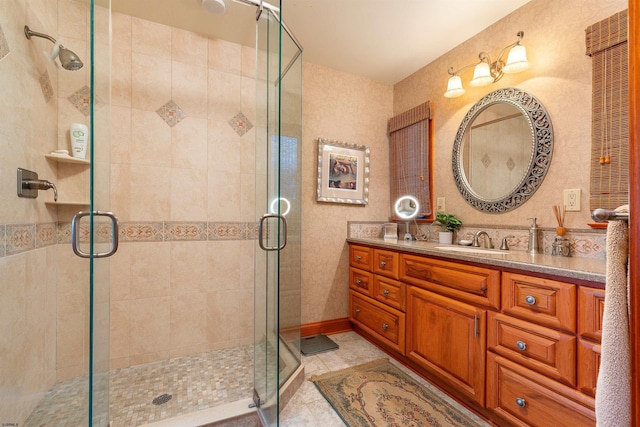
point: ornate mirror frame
(541, 151)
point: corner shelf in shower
(67, 203)
(67, 159)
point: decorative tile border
(185, 231)
(20, 238)
(584, 243)
(17, 238)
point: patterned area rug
(379, 394)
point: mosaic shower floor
(194, 382)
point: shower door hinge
(256, 400)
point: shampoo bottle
(79, 138)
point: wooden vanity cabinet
(447, 338)
(520, 349)
(376, 299)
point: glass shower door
(277, 270)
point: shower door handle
(75, 234)
(261, 235)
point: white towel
(613, 391)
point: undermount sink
(471, 250)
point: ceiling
(384, 40)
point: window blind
(409, 151)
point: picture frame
(343, 172)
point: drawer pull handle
(385, 326)
(521, 402)
(531, 300)
(358, 281)
(385, 292)
(382, 264)
(358, 257)
(521, 345)
(357, 310)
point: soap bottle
(534, 237)
(79, 136)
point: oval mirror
(502, 150)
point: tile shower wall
(28, 255)
(182, 184)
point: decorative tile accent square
(185, 231)
(45, 85)
(511, 164)
(64, 233)
(365, 230)
(46, 234)
(171, 113)
(486, 160)
(142, 232)
(20, 238)
(81, 99)
(4, 46)
(241, 124)
(3, 240)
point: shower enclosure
(194, 138)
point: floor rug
(379, 394)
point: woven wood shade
(606, 43)
(409, 155)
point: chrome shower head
(68, 59)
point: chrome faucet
(486, 242)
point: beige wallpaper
(559, 76)
(344, 107)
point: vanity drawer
(360, 257)
(467, 283)
(389, 291)
(385, 323)
(588, 366)
(360, 280)
(543, 301)
(385, 263)
(591, 303)
(544, 350)
(525, 398)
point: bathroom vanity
(513, 336)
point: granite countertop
(572, 267)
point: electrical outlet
(440, 205)
(572, 200)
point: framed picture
(343, 172)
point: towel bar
(602, 215)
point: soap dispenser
(534, 237)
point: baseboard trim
(333, 326)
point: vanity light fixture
(486, 72)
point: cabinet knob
(382, 264)
(358, 281)
(521, 345)
(357, 310)
(385, 292)
(385, 326)
(358, 257)
(521, 402)
(529, 299)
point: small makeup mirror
(280, 205)
(407, 208)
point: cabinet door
(448, 339)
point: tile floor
(204, 381)
(307, 408)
